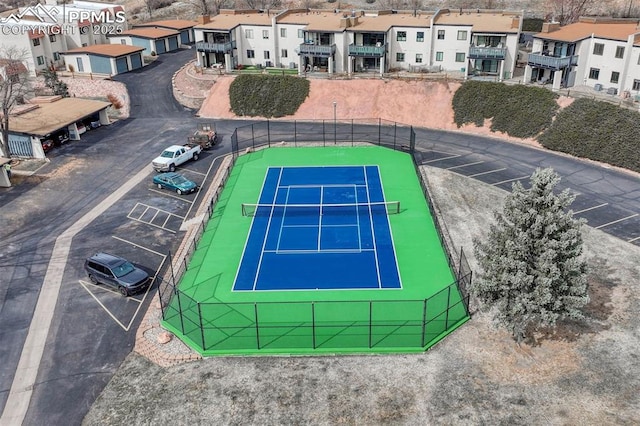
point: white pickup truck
(174, 156)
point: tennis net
(376, 208)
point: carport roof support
(49, 117)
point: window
(615, 75)
(248, 33)
(284, 53)
(462, 35)
(636, 85)
(283, 32)
(265, 34)
(251, 54)
(85, 44)
(402, 36)
(439, 56)
(399, 57)
(418, 58)
(598, 49)
(40, 60)
(420, 36)
(123, 41)
(619, 51)
(440, 34)
(266, 54)
(52, 38)
(594, 73)
(36, 42)
(56, 56)
(300, 33)
(460, 57)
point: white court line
(373, 232)
(509, 180)
(616, 221)
(320, 216)
(312, 252)
(264, 242)
(440, 159)
(170, 194)
(284, 215)
(464, 165)
(486, 173)
(315, 226)
(591, 208)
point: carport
(109, 59)
(47, 115)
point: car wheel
(93, 279)
(159, 186)
(195, 157)
(123, 291)
(172, 168)
(179, 191)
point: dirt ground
(586, 373)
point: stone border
(194, 102)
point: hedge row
(519, 111)
(267, 95)
(596, 130)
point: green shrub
(267, 95)
(597, 130)
(519, 111)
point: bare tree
(202, 6)
(568, 11)
(14, 85)
(217, 5)
(151, 5)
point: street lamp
(335, 132)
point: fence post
(379, 130)
(268, 133)
(395, 132)
(446, 317)
(295, 133)
(313, 323)
(424, 322)
(352, 132)
(370, 323)
(253, 137)
(173, 277)
(204, 347)
(180, 310)
(255, 308)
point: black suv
(117, 272)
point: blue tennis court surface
(322, 228)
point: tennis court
(317, 250)
(319, 228)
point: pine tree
(53, 82)
(533, 273)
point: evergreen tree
(533, 273)
(52, 81)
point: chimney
(548, 27)
(204, 19)
(515, 22)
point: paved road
(85, 344)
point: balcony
(366, 51)
(539, 60)
(316, 50)
(477, 52)
(225, 47)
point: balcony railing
(551, 62)
(316, 50)
(477, 52)
(369, 51)
(226, 47)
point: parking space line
(440, 159)
(194, 172)
(464, 165)
(165, 221)
(486, 173)
(616, 221)
(170, 194)
(509, 180)
(154, 225)
(633, 240)
(591, 208)
(141, 247)
(155, 215)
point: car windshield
(167, 154)
(178, 180)
(122, 270)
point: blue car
(175, 182)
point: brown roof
(49, 117)
(174, 24)
(581, 30)
(152, 33)
(483, 21)
(12, 66)
(382, 23)
(111, 50)
(316, 20)
(227, 20)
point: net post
(255, 309)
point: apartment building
(336, 41)
(600, 52)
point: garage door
(160, 46)
(121, 65)
(184, 37)
(20, 145)
(136, 61)
(173, 43)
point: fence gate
(20, 146)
